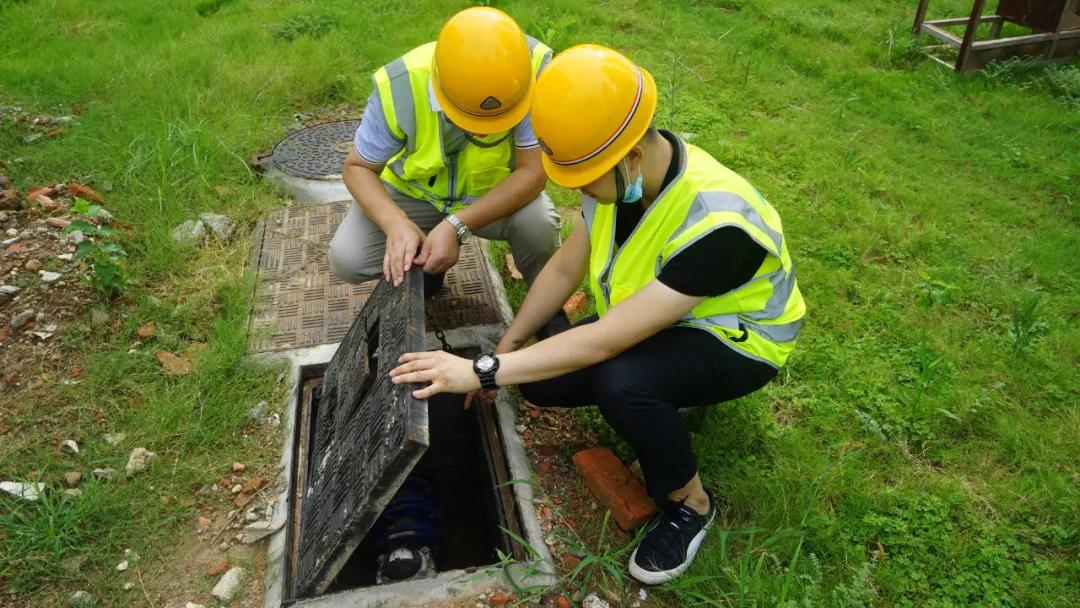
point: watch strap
(486, 377)
(460, 228)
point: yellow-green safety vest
(423, 169)
(759, 319)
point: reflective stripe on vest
(439, 163)
(761, 318)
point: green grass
(920, 449)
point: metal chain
(438, 331)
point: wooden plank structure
(1054, 25)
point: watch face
(485, 363)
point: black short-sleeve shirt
(716, 264)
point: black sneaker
(671, 542)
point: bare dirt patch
(43, 292)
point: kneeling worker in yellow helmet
(694, 288)
(445, 150)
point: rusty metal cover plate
(316, 152)
(369, 433)
(300, 303)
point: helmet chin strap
(484, 144)
(620, 185)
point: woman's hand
(506, 345)
(446, 373)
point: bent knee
(619, 384)
(351, 267)
(537, 224)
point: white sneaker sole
(654, 577)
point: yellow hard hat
(482, 71)
(590, 108)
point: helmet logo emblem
(490, 104)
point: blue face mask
(634, 192)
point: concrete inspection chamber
(385, 500)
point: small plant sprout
(104, 257)
(1026, 324)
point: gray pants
(358, 246)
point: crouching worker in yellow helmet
(692, 279)
(445, 150)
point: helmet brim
(486, 125)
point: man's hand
(481, 394)
(402, 241)
(440, 250)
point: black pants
(640, 392)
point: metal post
(920, 16)
(969, 34)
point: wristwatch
(485, 367)
(463, 232)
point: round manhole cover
(316, 152)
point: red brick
(615, 487)
(253, 484)
(576, 306)
(81, 191)
(218, 568)
(34, 193)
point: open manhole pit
(449, 509)
(387, 491)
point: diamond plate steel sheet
(369, 433)
(300, 303)
(316, 152)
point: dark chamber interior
(458, 465)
